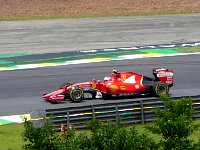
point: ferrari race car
(119, 84)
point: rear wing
(164, 75)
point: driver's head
(116, 74)
(115, 71)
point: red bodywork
(121, 83)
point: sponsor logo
(165, 74)
(137, 86)
(122, 87)
(94, 86)
(123, 77)
(113, 88)
(128, 94)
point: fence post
(117, 113)
(39, 118)
(165, 109)
(192, 108)
(93, 112)
(192, 103)
(68, 120)
(142, 112)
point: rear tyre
(76, 94)
(161, 88)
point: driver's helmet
(116, 74)
(115, 71)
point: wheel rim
(77, 94)
(161, 89)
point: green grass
(11, 136)
(189, 50)
(94, 15)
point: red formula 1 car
(118, 85)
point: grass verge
(11, 137)
(189, 50)
(92, 15)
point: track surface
(80, 34)
(21, 90)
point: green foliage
(44, 138)
(104, 136)
(174, 124)
(73, 141)
(113, 136)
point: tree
(174, 124)
(44, 138)
(112, 136)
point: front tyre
(161, 88)
(76, 94)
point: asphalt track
(21, 90)
(42, 36)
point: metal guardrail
(128, 112)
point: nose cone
(45, 96)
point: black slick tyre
(76, 94)
(161, 88)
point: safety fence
(127, 112)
